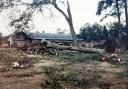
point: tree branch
(61, 11)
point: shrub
(54, 79)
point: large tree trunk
(69, 21)
(119, 21)
(81, 49)
(75, 41)
(126, 16)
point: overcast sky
(83, 11)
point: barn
(22, 38)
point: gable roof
(49, 36)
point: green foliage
(57, 78)
(78, 57)
(54, 79)
(98, 32)
(93, 32)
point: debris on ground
(21, 64)
(109, 57)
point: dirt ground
(108, 74)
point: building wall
(20, 41)
(88, 44)
(4, 42)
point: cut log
(108, 57)
(81, 49)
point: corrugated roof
(51, 36)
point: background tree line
(97, 32)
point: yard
(69, 70)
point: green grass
(78, 57)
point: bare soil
(110, 76)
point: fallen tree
(100, 53)
(81, 49)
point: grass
(78, 57)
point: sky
(83, 11)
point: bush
(54, 79)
